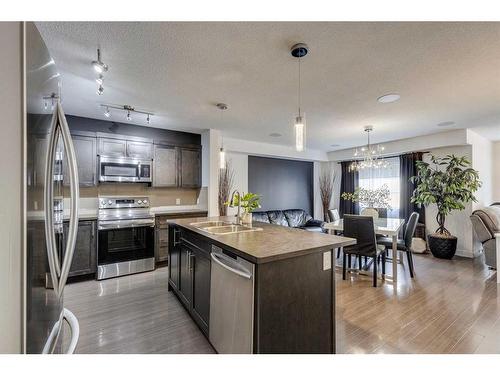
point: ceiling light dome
(389, 98)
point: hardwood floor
(450, 307)
(132, 314)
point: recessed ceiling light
(389, 98)
(275, 135)
(334, 145)
(446, 123)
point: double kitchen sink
(224, 227)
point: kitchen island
(266, 290)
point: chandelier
(371, 155)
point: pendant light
(299, 50)
(222, 152)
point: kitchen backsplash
(157, 196)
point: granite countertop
(273, 242)
(172, 210)
(91, 214)
(84, 214)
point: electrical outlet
(327, 260)
(177, 201)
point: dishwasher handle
(222, 262)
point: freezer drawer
(231, 303)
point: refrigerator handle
(74, 206)
(50, 239)
(54, 333)
(75, 330)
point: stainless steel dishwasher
(231, 303)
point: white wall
(11, 187)
(239, 163)
(495, 190)
(482, 155)
(211, 143)
(425, 142)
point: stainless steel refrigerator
(51, 184)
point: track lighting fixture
(100, 90)
(98, 65)
(100, 79)
(129, 111)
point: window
(371, 178)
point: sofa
(486, 222)
(295, 218)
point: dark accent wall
(102, 127)
(281, 183)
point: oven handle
(119, 224)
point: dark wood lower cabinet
(185, 277)
(189, 276)
(164, 235)
(85, 256)
(200, 303)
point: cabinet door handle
(191, 260)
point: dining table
(383, 226)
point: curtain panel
(348, 183)
(408, 168)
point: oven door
(124, 170)
(124, 241)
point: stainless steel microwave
(124, 169)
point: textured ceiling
(443, 72)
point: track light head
(100, 90)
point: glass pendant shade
(300, 133)
(222, 158)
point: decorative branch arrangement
(326, 183)
(371, 198)
(226, 184)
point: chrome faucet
(238, 217)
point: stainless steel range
(126, 236)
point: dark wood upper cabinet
(112, 147)
(85, 256)
(190, 167)
(139, 150)
(165, 168)
(123, 148)
(86, 159)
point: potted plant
(370, 199)
(450, 183)
(249, 203)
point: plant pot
(246, 218)
(370, 212)
(442, 246)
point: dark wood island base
(293, 282)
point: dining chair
(333, 214)
(405, 243)
(362, 229)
